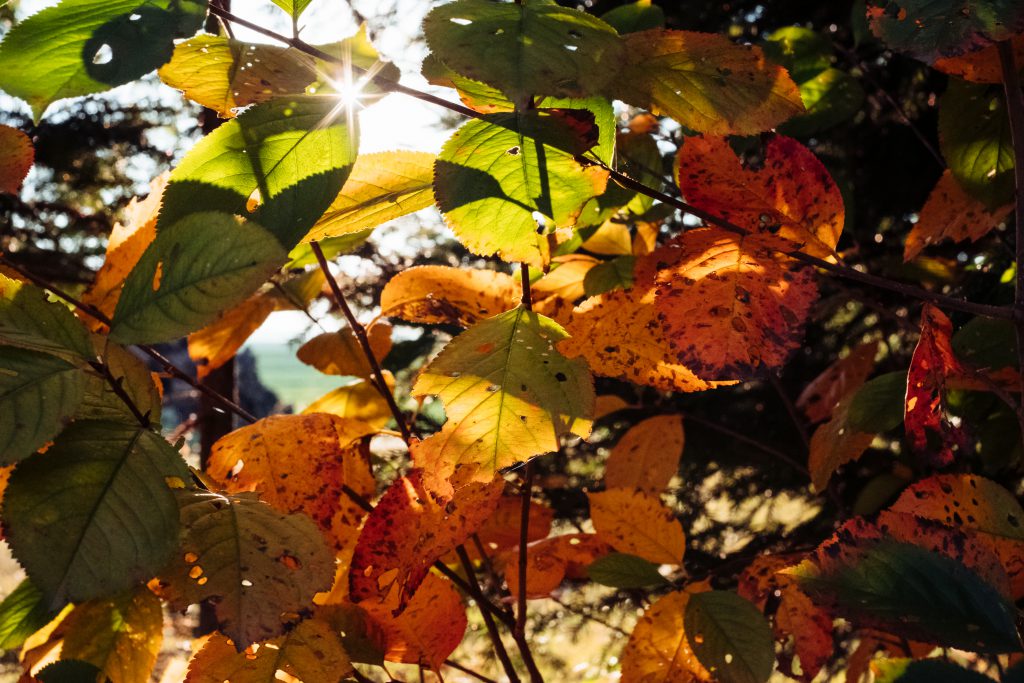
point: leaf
(614, 274)
(635, 16)
(525, 50)
(294, 153)
(924, 671)
(193, 270)
(729, 307)
(981, 66)
(217, 343)
(312, 651)
(121, 635)
(974, 136)
(950, 213)
(29, 320)
(730, 637)
(381, 188)
(836, 443)
(442, 294)
(501, 530)
(95, 514)
(101, 402)
(843, 378)
(69, 671)
(658, 650)
(705, 82)
(878, 405)
(928, 30)
(258, 567)
(79, 47)
(22, 613)
(295, 8)
(429, 629)
(792, 195)
(494, 174)
(125, 246)
(555, 293)
(302, 255)
(419, 518)
(932, 364)
(552, 560)
(507, 393)
(986, 343)
(300, 463)
(357, 401)
(647, 456)
(621, 570)
(926, 595)
(16, 157)
(340, 353)
(635, 522)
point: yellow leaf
(555, 294)
(636, 522)
(658, 651)
(441, 294)
(647, 456)
(381, 187)
(610, 239)
(339, 353)
(218, 342)
(358, 401)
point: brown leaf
(821, 397)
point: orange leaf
(792, 195)
(555, 294)
(16, 157)
(647, 456)
(729, 306)
(658, 651)
(834, 444)
(418, 519)
(501, 530)
(301, 463)
(821, 397)
(218, 342)
(441, 294)
(932, 364)
(359, 400)
(950, 213)
(981, 66)
(429, 629)
(636, 522)
(339, 353)
(552, 560)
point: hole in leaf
(461, 22)
(104, 55)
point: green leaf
(381, 187)
(924, 671)
(803, 52)
(194, 269)
(94, 515)
(930, 29)
(622, 570)
(29, 320)
(39, 394)
(294, 8)
(69, 671)
(986, 343)
(83, 46)
(22, 613)
(730, 637)
(259, 566)
(974, 136)
(508, 393)
(528, 49)
(102, 403)
(614, 274)
(877, 406)
(831, 97)
(929, 596)
(493, 175)
(636, 16)
(294, 153)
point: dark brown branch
(492, 628)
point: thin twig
(492, 628)
(364, 342)
(524, 534)
(117, 385)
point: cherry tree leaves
(16, 156)
(442, 294)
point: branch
(117, 385)
(492, 628)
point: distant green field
(294, 382)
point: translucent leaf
(535, 48)
(635, 522)
(635, 16)
(300, 463)
(357, 401)
(981, 66)
(95, 514)
(79, 47)
(294, 8)
(196, 268)
(621, 570)
(16, 157)
(121, 636)
(610, 275)
(878, 405)
(258, 567)
(819, 399)
(29, 320)
(501, 530)
(730, 637)
(382, 187)
(340, 353)
(552, 560)
(705, 82)
(442, 294)
(792, 195)
(496, 176)
(647, 455)
(312, 651)
(830, 98)
(508, 394)
(101, 402)
(658, 650)
(23, 612)
(292, 154)
(730, 308)
(950, 213)
(217, 343)
(836, 443)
